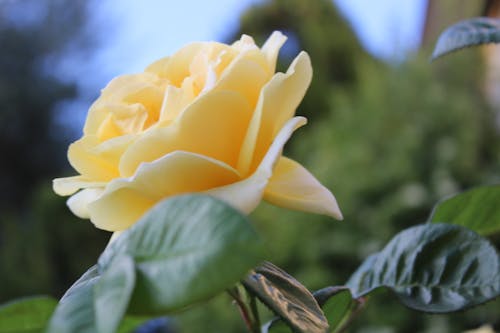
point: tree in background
(37, 235)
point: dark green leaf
(477, 209)
(475, 31)
(96, 303)
(286, 297)
(26, 315)
(433, 268)
(186, 249)
(336, 303)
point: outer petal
(126, 199)
(292, 186)
(277, 104)
(247, 194)
(272, 47)
(89, 164)
(98, 161)
(78, 203)
(69, 185)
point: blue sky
(135, 33)
(138, 32)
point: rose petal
(98, 161)
(213, 126)
(78, 203)
(126, 199)
(277, 103)
(247, 193)
(292, 186)
(69, 185)
(89, 164)
(255, 77)
(177, 68)
(176, 99)
(143, 88)
(272, 47)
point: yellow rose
(212, 118)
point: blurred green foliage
(389, 140)
(43, 248)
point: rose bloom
(213, 118)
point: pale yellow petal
(89, 164)
(126, 199)
(277, 103)
(245, 43)
(119, 209)
(159, 67)
(79, 202)
(69, 185)
(271, 48)
(176, 101)
(292, 186)
(247, 193)
(255, 77)
(145, 88)
(213, 126)
(98, 161)
(122, 119)
(177, 68)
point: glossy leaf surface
(186, 249)
(433, 268)
(287, 298)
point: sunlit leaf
(477, 209)
(26, 315)
(186, 250)
(475, 31)
(433, 268)
(287, 298)
(112, 293)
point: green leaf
(477, 209)
(287, 298)
(475, 31)
(26, 315)
(96, 303)
(337, 304)
(186, 249)
(130, 323)
(76, 312)
(433, 268)
(112, 293)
